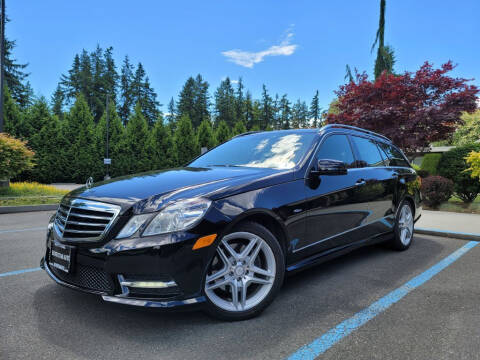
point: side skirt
(336, 252)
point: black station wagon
(223, 231)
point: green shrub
(15, 157)
(453, 166)
(430, 163)
(473, 159)
(436, 190)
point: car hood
(147, 192)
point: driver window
(337, 147)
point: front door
(333, 205)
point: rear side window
(393, 156)
(337, 147)
(368, 152)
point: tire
(404, 227)
(249, 262)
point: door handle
(360, 182)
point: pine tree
(201, 102)
(239, 128)
(110, 77)
(80, 137)
(50, 157)
(249, 110)
(276, 122)
(185, 141)
(286, 112)
(240, 101)
(35, 118)
(299, 115)
(186, 99)
(267, 109)
(16, 76)
(143, 94)
(256, 115)
(126, 96)
(205, 135)
(117, 144)
(12, 116)
(98, 84)
(171, 116)
(58, 99)
(385, 56)
(222, 133)
(137, 144)
(225, 103)
(315, 111)
(163, 154)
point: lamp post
(107, 160)
(2, 60)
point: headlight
(180, 215)
(133, 225)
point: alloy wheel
(405, 224)
(242, 272)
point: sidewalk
(450, 224)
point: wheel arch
(266, 218)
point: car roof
(326, 129)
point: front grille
(87, 277)
(84, 220)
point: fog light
(148, 284)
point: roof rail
(342, 126)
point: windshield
(275, 150)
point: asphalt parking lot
(439, 319)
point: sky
(294, 47)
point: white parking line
(21, 230)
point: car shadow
(85, 325)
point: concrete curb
(449, 234)
(27, 208)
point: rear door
(379, 184)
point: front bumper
(120, 299)
(101, 270)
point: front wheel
(246, 273)
(403, 232)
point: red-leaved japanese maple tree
(412, 109)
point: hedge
(430, 163)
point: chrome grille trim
(82, 220)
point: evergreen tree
(186, 99)
(385, 57)
(225, 103)
(286, 112)
(58, 99)
(143, 94)
(256, 115)
(201, 102)
(239, 128)
(267, 109)
(164, 154)
(276, 122)
(79, 135)
(35, 118)
(16, 76)
(137, 142)
(315, 111)
(240, 101)
(110, 77)
(12, 116)
(117, 144)
(171, 116)
(98, 84)
(249, 110)
(50, 153)
(222, 133)
(299, 115)
(205, 135)
(185, 141)
(126, 96)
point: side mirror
(330, 167)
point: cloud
(249, 59)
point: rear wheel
(246, 273)
(403, 233)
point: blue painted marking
(17, 272)
(345, 328)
